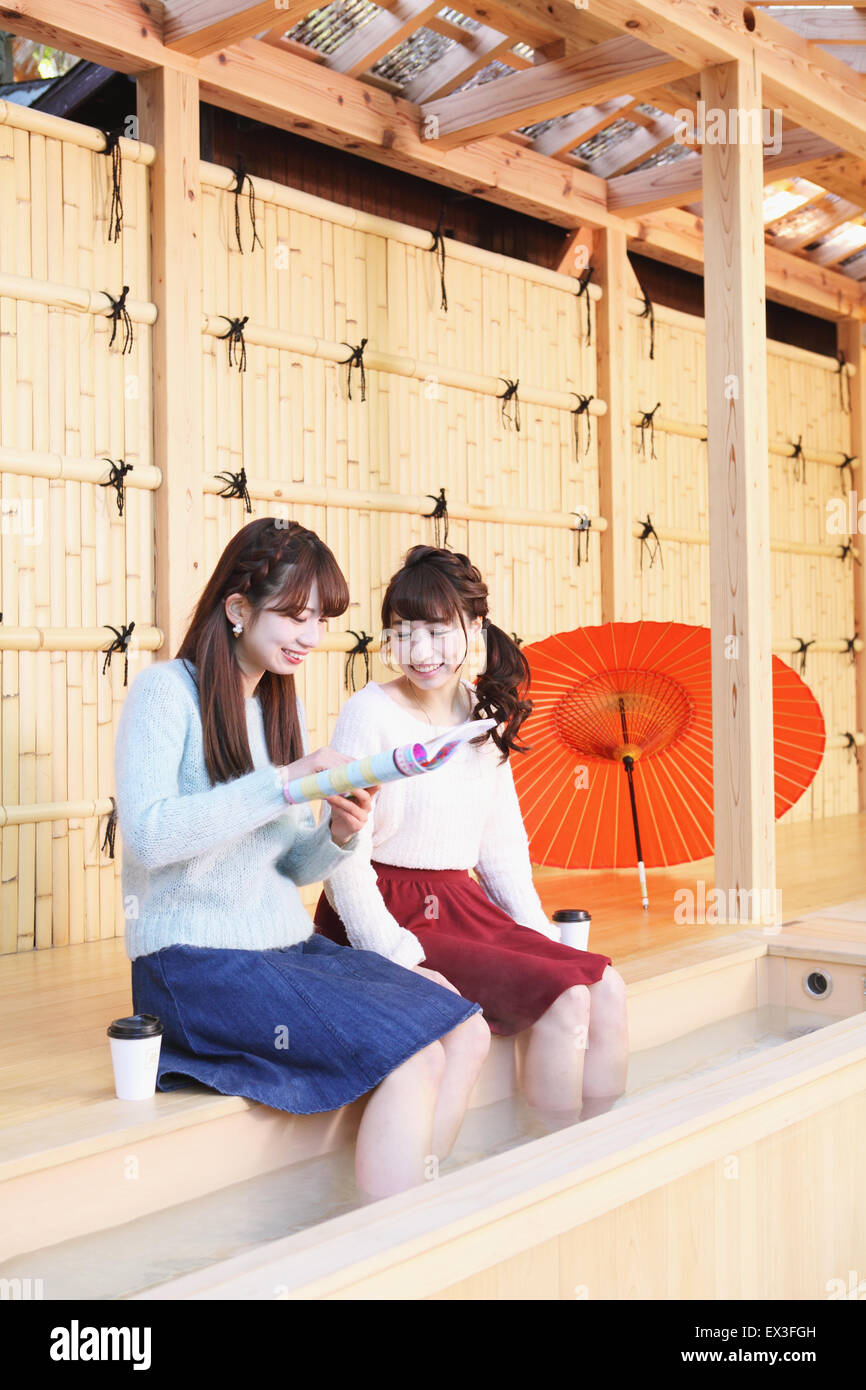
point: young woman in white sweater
(407, 892)
(222, 948)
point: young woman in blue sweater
(222, 948)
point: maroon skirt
(513, 972)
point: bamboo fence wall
(69, 561)
(813, 593)
(358, 472)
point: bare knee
(472, 1038)
(426, 1066)
(569, 1011)
(609, 993)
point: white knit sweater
(464, 815)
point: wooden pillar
(850, 340)
(613, 273)
(168, 113)
(739, 511)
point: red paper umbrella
(638, 697)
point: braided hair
(272, 563)
(439, 585)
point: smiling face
(430, 652)
(274, 641)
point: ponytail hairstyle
(273, 563)
(438, 585)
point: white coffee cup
(574, 924)
(135, 1044)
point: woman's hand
(435, 977)
(349, 813)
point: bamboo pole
(28, 463)
(33, 813)
(306, 345)
(217, 177)
(80, 639)
(19, 117)
(672, 533)
(298, 494)
(28, 290)
(683, 429)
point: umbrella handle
(628, 764)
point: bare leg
(395, 1136)
(553, 1052)
(606, 1065)
(466, 1047)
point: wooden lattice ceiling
(600, 100)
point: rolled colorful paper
(407, 761)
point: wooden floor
(56, 1004)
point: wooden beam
(458, 64)
(199, 27)
(677, 238)
(609, 70)
(789, 235)
(822, 94)
(634, 148)
(824, 26)
(261, 82)
(674, 185)
(367, 44)
(168, 114)
(739, 499)
(613, 273)
(850, 341)
(581, 125)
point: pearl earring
(237, 629)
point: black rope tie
(112, 152)
(362, 641)
(438, 250)
(584, 290)
(120, 644)
(235, 486)
(800, 458)
(518, 641)
(510, 407)
(582, 409)
(115, 479)
(583, 527)
(110, 830)
(649, 313)
(356, 360)
(847, 461)
(118, 313)
(647, 422)
(242, 177)
(846, 551)
(439, 514)
(802, 651)
(234, 336)
(647, 534)
(844, 384)
(849, 647)
(852, 748)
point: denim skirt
(301, 1028)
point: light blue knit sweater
(208, 865)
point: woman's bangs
(422, 598)
(314, 563)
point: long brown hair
(268, 559)
(437, 585)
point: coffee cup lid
(136, 1026)
(571, 914)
